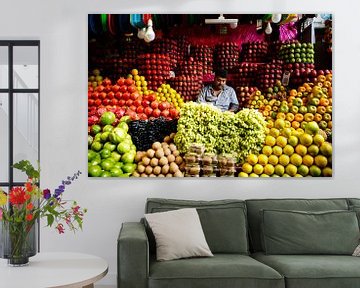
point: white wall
(62, 28)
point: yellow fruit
(308, 160)
(303, 170)
(252, 159)
(270, 140)
(326, 149)
(269, 169)
(264, 175)
(288, 150)
(315, 171)
(247, 168)
(279, 170)
(321, 161)
(262, 159)
(296, 159)
(281, 141)
(291, 169)
(274, 132)
(284, 159)
(301, 150)
(134, 72)
(243, 174)
(277, 150)
(327, 172)
(298, 175)
(258, 169)
(267, 150)
(319, 139)
(279, 123)
(312, 128)
(273, 160)
(253, 175)
(313, 150)
(306, 139)
(286, 132)
(293, 140)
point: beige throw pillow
(178, 234)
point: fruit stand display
(144, 121)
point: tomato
(139, 109)
(91, 102)
(115, 88)
(118, 95)
(148, 111)
(114, 102)
(145, 103)
(123, 88)
(173, 113)
(156, 113)
(154, 104)
(122, 102)
(150, 97)
(129, 102)
(129, 81)
(165, 113)
(98, 102)
(106, 101)
(132, 89)
(95, 95)
(137, 102)
(142, 116)
(121, 81)
(126, 96)
(134, 95)
(111, 95)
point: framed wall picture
(210, 95)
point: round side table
(50, 270)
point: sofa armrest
(132, 256)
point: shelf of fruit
(280, 131)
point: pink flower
(60, 228)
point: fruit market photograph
(210, 95)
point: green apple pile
(111, 152)
(296, 52)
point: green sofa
(260, 243)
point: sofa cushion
(313, 271)
(254, 217)
(298, 232)
(222, 270)
(178, 234)
(223, 221)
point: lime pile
(111, 152)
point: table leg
(89, 286)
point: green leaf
(50, 219)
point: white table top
(61, 269)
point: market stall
(146, 72)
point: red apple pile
(274, 49)
(183, 47)
(204, 54)
(255, 52)
(155, 67)
(244, 74)
(168, 47)
(226, 55)
(188, 79)
(268, 74)
(300, 73)
(244, 95)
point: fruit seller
(219, 94)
